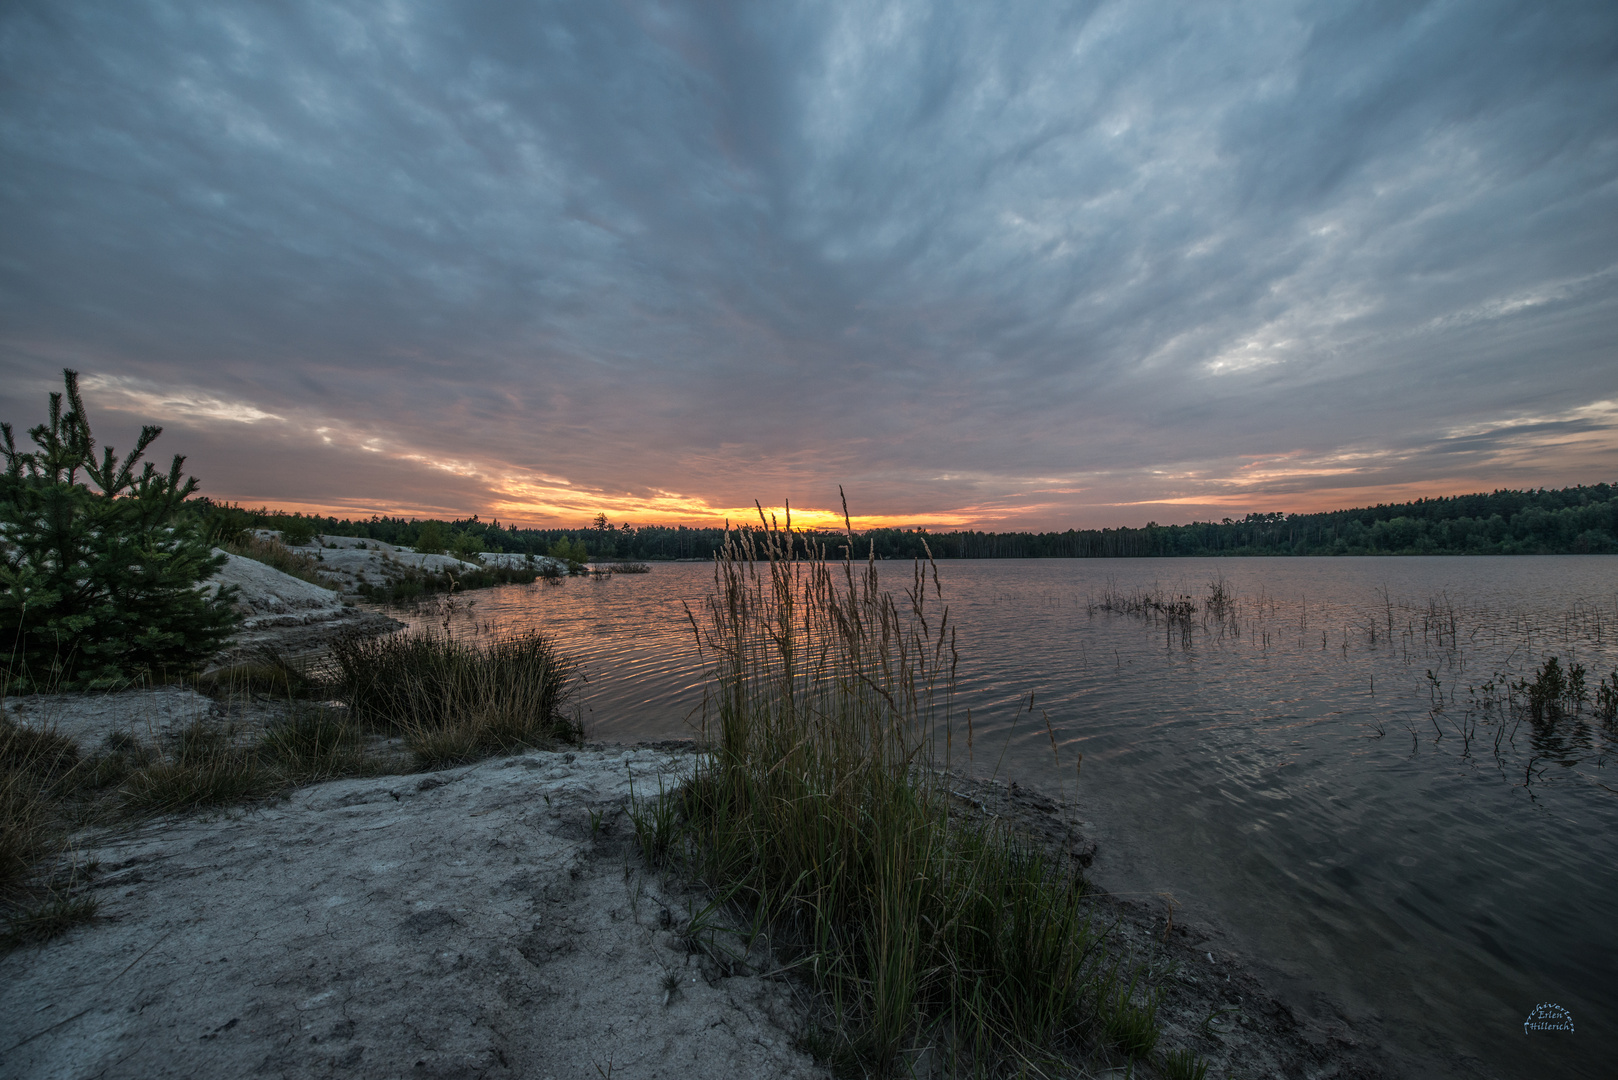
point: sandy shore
(485, 921)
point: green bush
(296, 530)
(572, 552)
(98, 587)
(432, 538)
(465, 546)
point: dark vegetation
(936, 942)
(97, 583)
(411, 583)
(1557, 693)
(1575, 520)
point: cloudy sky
(1019, 265)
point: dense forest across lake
(1573, 520)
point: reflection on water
(1336, 758)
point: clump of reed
(820, 812)
(455, 701)
(1606, 703)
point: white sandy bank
(458, 924)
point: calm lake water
(1290, 771)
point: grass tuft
(34, 765)
(55, 915)
(26, 835)
(41, 752)
(205, 770)
(1184, 1065)
(314, 743)
(455, 701)
(1129, 1026)
(271, 672)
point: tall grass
(39, 898)
(820, 811)
(32, 764)
(455, 701)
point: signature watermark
(1548, 1017)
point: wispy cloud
(137, 395)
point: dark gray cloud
(1047, 263)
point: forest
(1573, 520)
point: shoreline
(584, 804)
(1217, 998)
(187, 876)
(1221, 1000)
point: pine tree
(99, 588)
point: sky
(1011, 265)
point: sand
(464, 923)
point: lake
(1323, 764)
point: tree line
(1572, 520)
